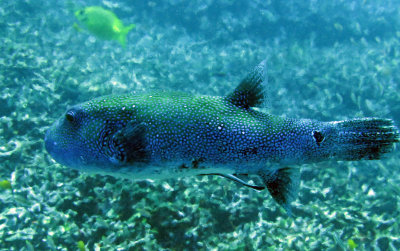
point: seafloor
(328, 60)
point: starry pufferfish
(174, 134)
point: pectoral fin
(129, 143)
(236, 179)
(76, 27)
(282, 184)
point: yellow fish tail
(128, 28)
(124, 32)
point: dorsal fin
(251, 91)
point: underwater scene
(320, 60)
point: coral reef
(328, 60)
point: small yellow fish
(81, 246)
(5, 184)
(103, 24)
(352, 244)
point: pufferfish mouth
(49, 143)
(62, 156)
(53, 148)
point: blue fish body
(172, 134)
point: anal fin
(282, 184)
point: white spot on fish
(123, 108)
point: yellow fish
(352, 244)
(103, 24)
(5, 184)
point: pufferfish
(159, 135)
(103, 23)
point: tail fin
(124, 32)
(366, 138)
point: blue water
(327, 60)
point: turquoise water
(328, 60)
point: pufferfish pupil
(70, 116)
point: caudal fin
(124, 33)
(366, 138)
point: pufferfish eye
(70, 116)
(74, 116)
